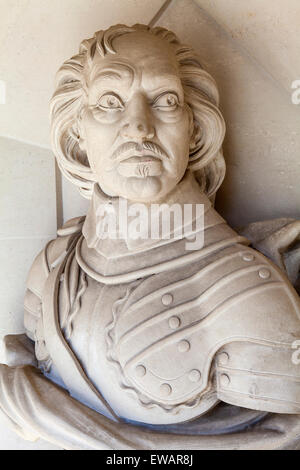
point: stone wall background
(250, 47)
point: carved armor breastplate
(166, 347)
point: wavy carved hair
(200, 91)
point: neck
(103, 233)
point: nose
(138, 121)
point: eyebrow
(162, 82)
(108, 75)
(167, 82)
(111, 71)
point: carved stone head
(132, 111)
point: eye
(166, 101)
(110, 101)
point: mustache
(129, 147)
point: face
(136, 127)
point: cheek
(100, 136)
(175, 134)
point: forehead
(137, 55)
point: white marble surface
(252, 49)
(9, 440)
(36, 36)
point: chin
(141, 189)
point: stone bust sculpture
(144, 337)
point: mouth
(140, 159)
(140, 166)
(129, 149)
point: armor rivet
(224, 380)
(195, 375)
(223, 358)
(264, 273)
(248, 257)
(184, 346)
(165, 390)
(167, 299)
(174, 322)
(140, 371)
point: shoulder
(254, 294)
(44, 262)
(48, 258)
(268, 286)
(254, 367)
